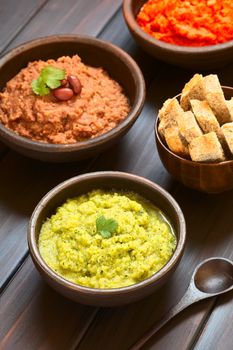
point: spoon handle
(190, 297)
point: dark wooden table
(33, 316)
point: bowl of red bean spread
(67, 97)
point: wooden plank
(119, 328)
(25, 182)
(118, 34)
(217, 333)
(136, 153)
(14, 15)
(73, 16)
(33, 316)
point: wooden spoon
(212, 277)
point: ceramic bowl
(106, 180)
(205, 177)
(205, 57)
(94, 52)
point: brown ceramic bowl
(205, 177)
(205, 57)
(94, 52)
(106, 180)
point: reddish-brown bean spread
(99, 107)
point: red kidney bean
(63, 93)
(75, 84)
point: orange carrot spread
(188, 22)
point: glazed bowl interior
(205, 177)
(107, 181)
(204, 57)
(120, 66)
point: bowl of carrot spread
(189, 33)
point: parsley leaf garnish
(106, 227)
(50, 78)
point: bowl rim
(89, 144)
(184, 160)
(156, 277)
(194, 50)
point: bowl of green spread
(106, 238)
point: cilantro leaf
(51, 72)
(105, 234)
(50, 78)
(106, 227)
(53, 83)
(39, 87)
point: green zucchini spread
(106, 239)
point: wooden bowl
(106, 180)
(205, 177)
(94, 52)
(205, 57)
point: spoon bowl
(214, 276)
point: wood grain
(120, 328)
(25, 182)
(32, 315)
(217, 333)
(14, 15)
(117, 33)
(37, 317)
(72, 16)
